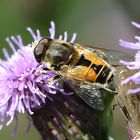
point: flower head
(134, 65)
(130, 78)
(24, 85)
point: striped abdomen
(91, 68)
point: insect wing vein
(113, 56)
(92, 97)
(89, 94)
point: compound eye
(41, 48)
(44, 41)
(38, 52)
(38, 49)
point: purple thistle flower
(130, 77)
(23, 85)
(134, 65)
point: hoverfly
(85, 69)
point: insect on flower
(23, 87)
(86, 70)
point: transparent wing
(89, 94)
(113, 56)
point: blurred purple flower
(23, 85)
(134, 65)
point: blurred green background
(99, 23)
